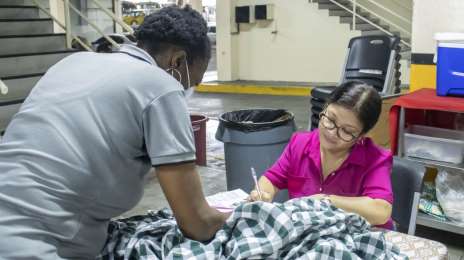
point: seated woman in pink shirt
(337, 162)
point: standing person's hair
(182, 27)
(364, 100)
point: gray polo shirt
(77, 152)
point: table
(424, 107)
(441, 112)
(414, 247)
(417, 248)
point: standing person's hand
(265, 196)
(182, 186)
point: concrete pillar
(118, 13)
(57, 10)
(196, 4)
(430, 17)
(225, 41)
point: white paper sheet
(228, 200)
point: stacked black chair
(319, 96)
(374, 60)
(407, 182)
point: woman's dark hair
(183, 27)
(361, 98)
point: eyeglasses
(329, 124)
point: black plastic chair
(407, 182)
(371, 59)
(374, 60)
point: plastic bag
(252, 120)
(450, 194)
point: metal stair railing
(68, 34)
(386, 9)
(67, 26)
(355, 15)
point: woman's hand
(375, 211)
(268, 190)
(265, 196)
(181, 185)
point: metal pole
(67, 19)
(354, 15)
(94, 26)
(401, 130)
(3, 88)
(82, 43)
(62, 25)
(114, 17)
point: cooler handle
(457, 73)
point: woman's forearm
(181, 185)
(266, 185)
(375, 211)
(268, 191)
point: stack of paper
(227, 201)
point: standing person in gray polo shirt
(77, 152)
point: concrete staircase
(360, 24)
(28, 47)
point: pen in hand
(255, 179)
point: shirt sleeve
(278, 173)
(377, 183)
(168, 131)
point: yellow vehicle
(134, 17)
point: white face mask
(189, 91)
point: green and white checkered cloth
(298, 229)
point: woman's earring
(172, 70)
(361, 141)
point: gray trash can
(253, 138)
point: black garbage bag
(253, 120)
